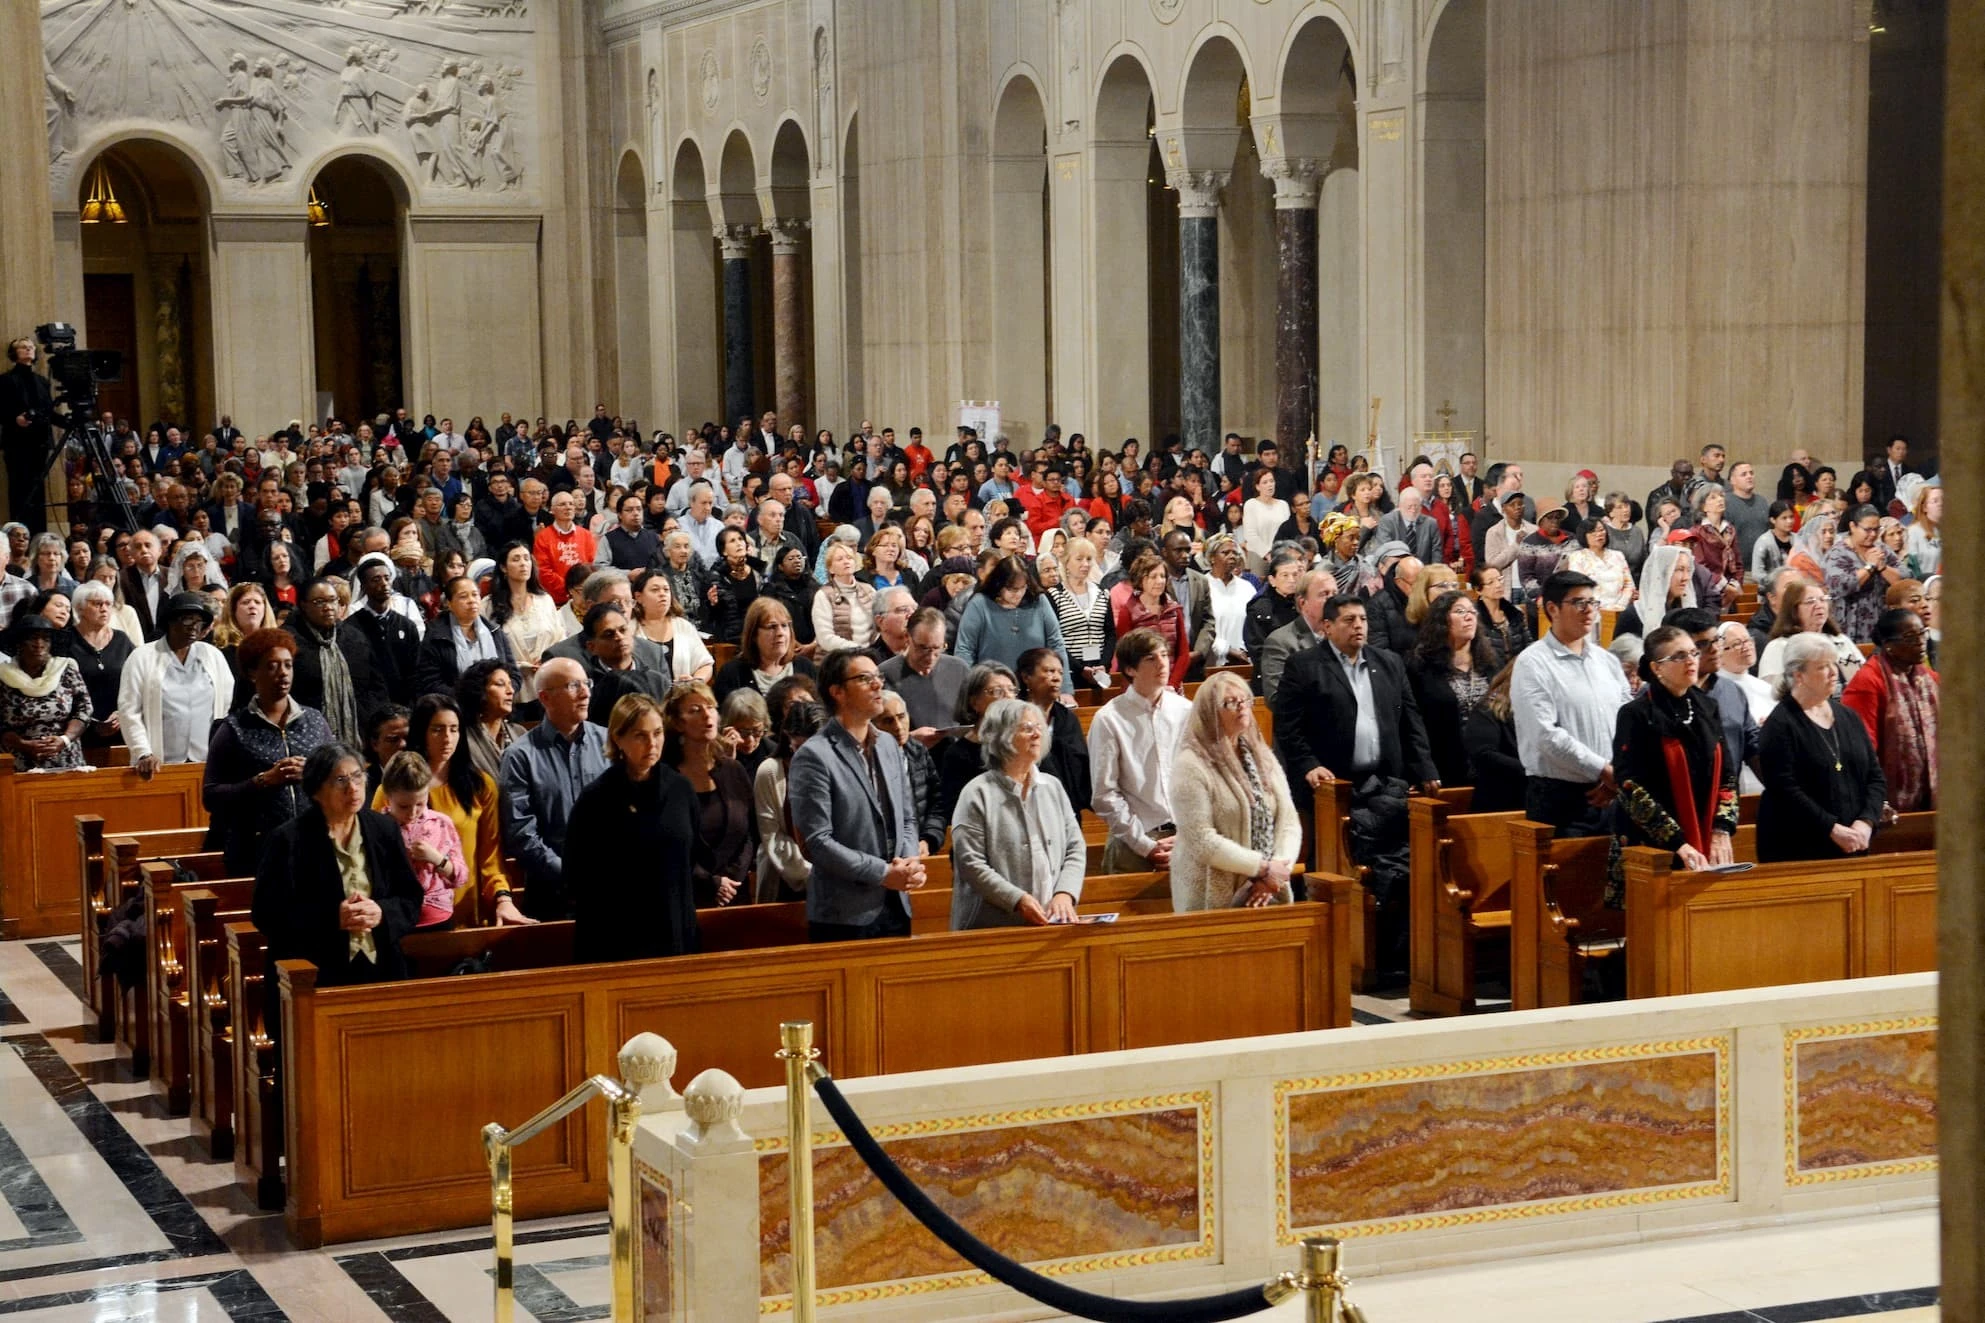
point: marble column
(1961, 787)
(168, 329)
(788, 326)
(1199, 306)
(1295, 301)
(740, 399)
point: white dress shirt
(1566, 705)
(1131, 744)
(1230, 614)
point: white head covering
(176, 579)
(1653, 603)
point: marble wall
(1180, 1171)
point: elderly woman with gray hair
(1016, 846)
(1823, 786)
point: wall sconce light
(320, 215)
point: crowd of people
(444, 677)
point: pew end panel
(1559, 920)
(41, 884)
(204, 911)
(1459, 902)
(258, 1138)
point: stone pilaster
(1199, 305)
(27, 257)
(1296, 180)
(788, 327)
(740, 398)
(168, 328)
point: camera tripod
(95, 446)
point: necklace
(1833, 744)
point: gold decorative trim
(1795, 1175)
(1207, 1247)
(1720, 1045)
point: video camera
(76, 373)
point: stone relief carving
(823, 92)
(59, 103)
(1068, 54)
(1166, 10)
(761, 68)
(254, 137)
(713, 81)
(260, 88)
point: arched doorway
(630, 281)
(1133, 249)
(146, 289)
(1319, 128)
(1453, 152)
(789, 236)
(356, 282)
(696, 304)
(1021, 280)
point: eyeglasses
(1688, 656)
(1581, 604)
(349, 781)
(873, 679)
(1236, 704)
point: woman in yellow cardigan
(468, 798)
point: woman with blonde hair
(1433, 581)
(1804, 609)
(883, 563)
(1923, 542)
(1238, 835)
(844, 608)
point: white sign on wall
(982, 416)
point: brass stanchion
(796, 1050)
(1324, 1282)
(501, 1207)
(623, 1110)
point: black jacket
(437, 671)
(1440, 712)
(1386, 610)
(368, 689)
(298, 891)
(1267, 611)
(25, 391)
(1493, 765)
(1316, 717)
(501, 524)
(623, 913)
(395, 644)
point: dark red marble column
(788, 334)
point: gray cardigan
(991, 866)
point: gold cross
(1446, 412)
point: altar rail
(1177, 1171)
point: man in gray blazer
(848, 794)
(1299, 635)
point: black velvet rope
(1054, 1294)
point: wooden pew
(1102, 893)
(40, 880)
(107, 862)
(168, 1000)
(1459, 894)
(1778, 923)
(500, 1046)
(1560, 923)
(203, 912)
(257, 1109)
(1331, 843)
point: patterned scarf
(340, 705)
(1909, 737)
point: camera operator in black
(26, 408)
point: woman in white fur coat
(1238, 834)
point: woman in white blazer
(1238, 834)
(201, 678)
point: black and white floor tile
(110, 1210)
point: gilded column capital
(1199, 191)
(1296, 180)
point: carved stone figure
(355, 109)
(713, 83)
(448, 125)
(823, 91)
(493, 147)
(1069, 56)
(252, 145)
(761, 69)
(59, 106)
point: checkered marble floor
(111, 1210)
